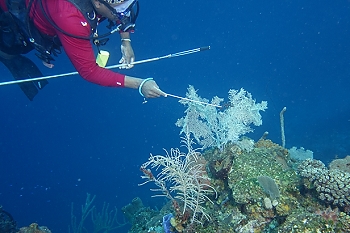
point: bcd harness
(27, 37)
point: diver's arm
(81, 54)
(80, 51)
(84, 62)
(124, 36)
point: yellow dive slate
(102, 58)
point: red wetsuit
(79, 51)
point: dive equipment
(183, 53)
(102, 58)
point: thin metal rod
(195, 101)
(186, 52)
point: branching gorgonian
(181, 177)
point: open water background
(77, 138)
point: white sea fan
(212, 127)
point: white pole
(110, 67)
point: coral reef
(259, 187)
(34, 228)
(242, 204)
(143, 219)
(7, 223)
(131, 209)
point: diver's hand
(127, 55)
(150, 89)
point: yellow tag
(102, 58)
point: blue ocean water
(77, 138)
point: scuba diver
(46, 26)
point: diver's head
(111, 8)
(106, 8)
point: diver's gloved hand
(150, 89)
(127, 55)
